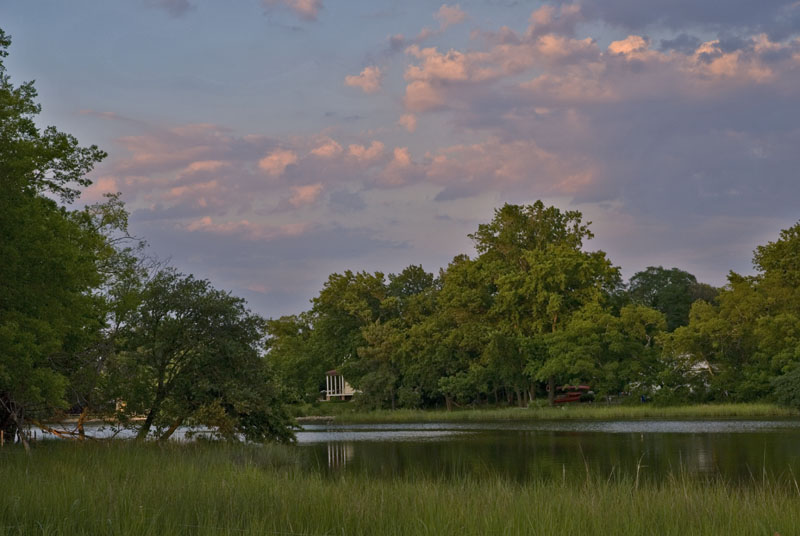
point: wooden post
(2, 438)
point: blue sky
(264, 144)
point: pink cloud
(203, 166)
(305, 9)
(198, 191)
(366, 154)
(408, 121)
(369, 80)
(247, 229)
(305, 195)
(100, 186)
(258, 287)
(277, 161)
(400, 170)
(518, 165)
(328, 149)
(450, 15)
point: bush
(786, 388)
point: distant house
(336, 388)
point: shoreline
(562, 413)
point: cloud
(631, 45)
(305, 195)
(99, 187)
(277, 161)
(408, 121)
(366, 154)
(345, 201)
(175, 8)
(328, 149)
(246, 230)
(305, 9)
(518, 166)
(550, 19)
(203, 167)
(778, 18)
(369, 80)
(450, 15)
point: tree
(751, 335)
(191, 354)
(670, 291)
(541, 275)
(48, 261)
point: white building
(336, 388)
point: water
(736, 450)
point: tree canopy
(85, 320)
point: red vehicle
(573, 393)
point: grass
(346, 413)
(123, 488)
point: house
(336, 388)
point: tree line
(90, 324)
(534, 310)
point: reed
(598, 411)
(124, 488)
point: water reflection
(732, 449)
(735, 450)
(339, 454)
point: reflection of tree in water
(526, 455)
(339, 454)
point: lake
(737, 450)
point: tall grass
(200, 489)
(345, 414)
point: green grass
(346, 413)
(123, 488)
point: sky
(264, 144)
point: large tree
(191, 354)
(48, 254)
(671, 291)
(734, 348)
(541, 276)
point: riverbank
(344, 413)
(120, 488)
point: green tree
(751, 335)
(190, 354)
(541, 275)
(670, 291)
(48, 263)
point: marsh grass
(125, 488)
(343, 413)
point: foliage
(83, 323)
(534, 310)
(671, 292)
(49, 255)
(787, 388)
(191, 354)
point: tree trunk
(21, 432)
(551, 391)
(81, 420)
(175, 424)
(448, 402)
(148, 422)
